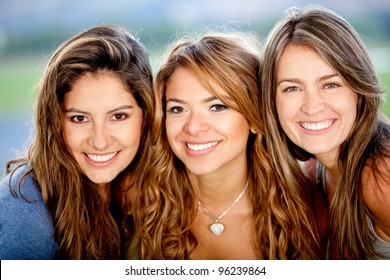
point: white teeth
(103, 158)
(316, 126)
(199, 147)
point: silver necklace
(216, 227)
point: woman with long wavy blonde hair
(69, 197)
(219, 196)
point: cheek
(281, 109)
(172, 127)
(236, 127)
(70, 136)
(131, 134)
(348, 106)
(286, 112)
(354, 103)
(349, 116)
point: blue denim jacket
(26, 228)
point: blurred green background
(31, 30)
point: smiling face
(316, 108)
(203, 132)
(102, 126)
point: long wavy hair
(340, 46)
(281, 217)
(83, 225)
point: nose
(313, 102)
(196, 124)
(99, 138)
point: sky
(21, 15)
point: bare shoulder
(376, 193)
(376, 177)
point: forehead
(184, 81)
(298, 58)
(97, 90)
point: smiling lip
(101, 160)
(317, 126)
(200, 149)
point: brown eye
(78, 119)
(119, 117)
(175, 110)
(219, 107)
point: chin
(101, 181)
(200, 172)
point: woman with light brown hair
(69, 197)
(322, 105)
(219, 195)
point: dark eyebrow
(74, 110)
(211, 98)
(178, 100)
(124, 107)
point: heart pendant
(217, 228)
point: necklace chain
(216, 220)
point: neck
(332, 170)
(332, 175)
(220, 192)
(330, 161)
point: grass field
(18, 78)
(385, 81)
(20, 75)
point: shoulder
(26, 228)
(11, 182)
(376, 194)
(376, 176)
